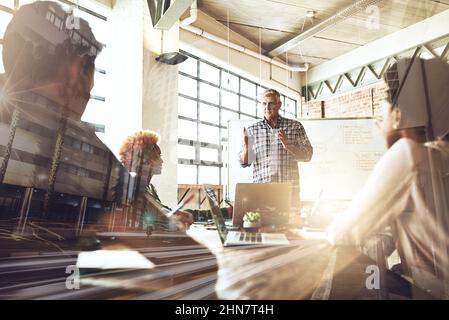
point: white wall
(160, 104)
(124, 73)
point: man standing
(274, 146)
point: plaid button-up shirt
(271, 162)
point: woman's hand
(183, 219)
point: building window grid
(198, 144)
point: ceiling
(274, 22)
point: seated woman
(142, 155)
(409, 187)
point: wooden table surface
(305, 269)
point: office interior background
(327, 59)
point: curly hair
(140, 144)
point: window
(187, 129)
(248, 88)
(208, 154)
(186, 152)
(209, 175)
(248, 106)
(87, 148)
(187, 108)
(190, 67)
(209, 73)
(187, 174)
(209, 134)
(228, 115)
(187, 86)
(209, 93)
(209, 97)
(230, 100)
(209, 113)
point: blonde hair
(141, 143)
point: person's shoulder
(407, 151)
(255, 125)
(292, 122)
(407, 145)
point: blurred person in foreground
(49, 66)
(408, 190)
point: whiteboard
(344, 153)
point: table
(305, 269)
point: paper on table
(113, 259)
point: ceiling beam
(165, 13)
(408, 38)
(329, 22)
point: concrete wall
(160, 103)
(125, 65)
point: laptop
(237, 238)
(271, 200)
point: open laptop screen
(271, 200)
(216, 213)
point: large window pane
(209, 73)
(248, 89)
(283, 101)
(208, 154)
(186, 152)
(229, 81)
(186, 174)
(209, 113)
(99, 26)
(210, 175)
(289, 115)
(100, 85)
(247, 106)
(224, 135)
(187, 86)
(290, 105)
(260, 91)
(209, 93)
(96, 112)
(209, 134)
(230, 100)
(228, 115)
(245, 117)
(190, 66)
(187, 129)
(187, 108)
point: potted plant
(251, 220)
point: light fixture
(172, 58)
